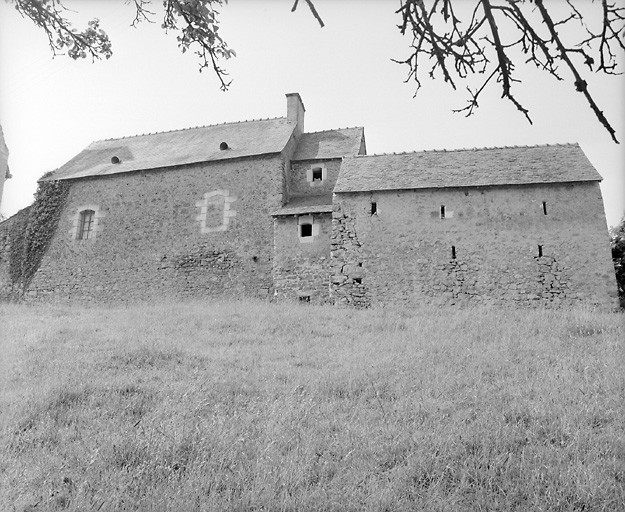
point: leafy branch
(196, 22)
(62, 36)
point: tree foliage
(196, 23)
(617, 235)
(446, 43)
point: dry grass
(250, 406)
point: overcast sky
(51, 109)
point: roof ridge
(336, 129)
(189, 128)
(484, 148)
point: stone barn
(522, 225)
(263, 209)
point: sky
(52, 108)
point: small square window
(317, 174)
(305, 230)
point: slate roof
(306, 204)
(179, 147)
(466, 168)
(329, 144)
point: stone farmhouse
(263, 209)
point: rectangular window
(374, 208)
(317, 174)
(545, 207)
(442, 211)
(453, 252)
(540, 251)
(85, 228)
(305, 230)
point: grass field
(252, 406)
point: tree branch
(312, 8)
(505, 65)
(580, 83)
(460, 49)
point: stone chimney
(295, 111)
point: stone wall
(301, 267)
(526, 245)
(198, 230)
(300, 184)
(7, 290)
(4, 164)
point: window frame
(307, 220)
(78, 224)
(86, 221)
(310, 175)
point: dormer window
(316, 175)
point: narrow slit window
(545, 207)
(442, 211)
(306, 230)
(85, 228)
(317, 174)
(374, 208)
(540, 251)
(453, 252)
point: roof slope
(466, 168)
(306, 204)
(329, 144)
(178, 147)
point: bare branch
(312, 8)
(477, 44)
(505, 64)
(141, 12)
(580, 84)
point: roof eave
(338, 190)
(159, 168)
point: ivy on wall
(31, 235)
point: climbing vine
(31, 235)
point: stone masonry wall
(6, 287)
(302, 269)
(198, 230)
(485, 251)
(299, 184)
